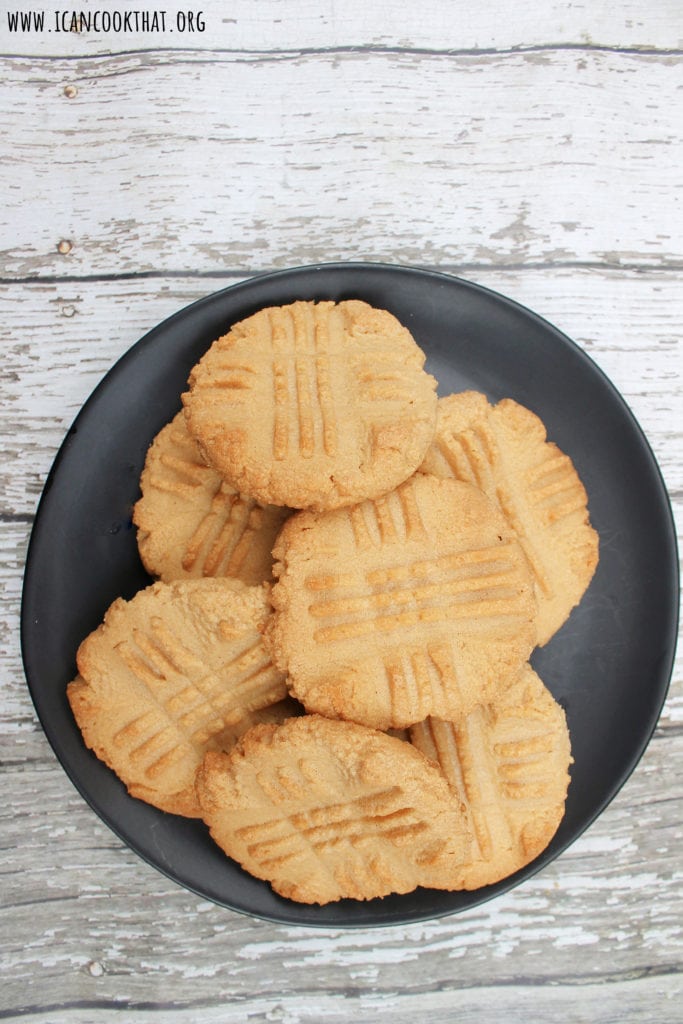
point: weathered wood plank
(524, 158)
(434, 24)
(640, 999)
(59, 339)
(102, 928)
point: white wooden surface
(533, 148)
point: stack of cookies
(332, 669)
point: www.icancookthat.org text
(105, 21)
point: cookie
(314, 405)
(169, 675)
(503, 450)
(507, 763)
(420, 603)
(191, 523)
(327, 810)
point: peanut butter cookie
(503, 450)
(327, 810)
(507, 763)
(191, 523)
(420, 603)
(169, 675)
(314, 405)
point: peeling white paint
(671, 936)
(594, 843)
(576, 936)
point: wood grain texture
(533, 149)
(105, 929)
(349, 156)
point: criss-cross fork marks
(223, 538)
(382, 377)
(220, 524)
(470, 456)
(391, 519)
(494, 777)
(182, 471)
(420, 681)
(188, 704)
(231, 380)
(554, 490)
(382, 815)
(485, 583)
(458, 750)
(550, 490)
(522, 759)
(305, 414)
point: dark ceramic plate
(609, 666)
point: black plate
(609, 666)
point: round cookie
(191, 523)
(420, 603)
(314, 405)
(507, 763)
(503, 450)
(327, 810)
(170, 674)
